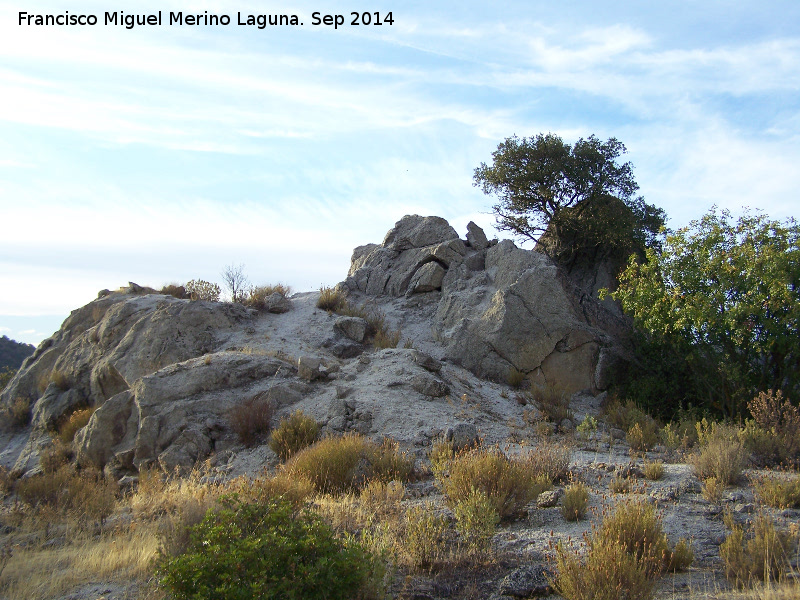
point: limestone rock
(427, 278)
(549, 498)
(427, 362)
(277, 303)
(354, 328)
(428, 385)
(308, 368)
(462, 435)
(526, 582)
(476, 238)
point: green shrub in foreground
(265, 551)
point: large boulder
(502, 308)
(402, 264)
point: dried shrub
(476, 520)
(257, 296)
(424, 537)
(720, 457)
(779, 492)
(550, 460)
(575, 501)
(509, 483)
(55, 456)
(515, 378)
(388, 463)
(441, 453)
(382, 498)
(620, 485)
(712, 490)
(60, 379)
(18, 413)
(653, 470)
(763, 553)
(75, 422)
(386, 339)
(776, 416)
(199, 289)
(331, 299)
(295, 490)
(624, 415)
(643, 435)
(553, 402)
(251, 419)
(173, 289)
(293, 434)
(345, 463)
(83, 495)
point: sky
(160, 154)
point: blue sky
(162, 154)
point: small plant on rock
(199, 289)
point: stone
(549, 498)
(566, 425)
(414, 231)
(54, 404)
(526, 582)
(427, 278)
(427, 362)
(308, 368)
(429, 386)
(277, 303)
(462, 435)
(354, 328)
(476, 238)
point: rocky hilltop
(164, 372)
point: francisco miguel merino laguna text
(130, 21)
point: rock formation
(163, 373)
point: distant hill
(13, 353)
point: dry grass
(642, 436)
(515, 378)
(508, 483)
(762, 554)
(576, 499)
(293, 434)
(76, 421)
(349, 462)
(620, 485)
(553, 402)
(331, 299)
(40, 573)
(712, 490)
(720, 457)
(18, 413)
(257, 296)
(653, 470)
(779, 492)
(550, 460)
(251, 419)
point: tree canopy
(725, 295)
(545, 185)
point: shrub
(624, 416)
(549, 460)
(515, 377)
(55, 456)
(620, 485)
(553, 402)
(441, 454)
(576, 498)
(203, 290)
(331, 299)
(18, 413)
(389, 464)
(722, 458)
(60, 379)
(251, 419)
(266, 551)
(424, 542)
(779, 423)
(84, 495)
(643, 435)
(386, 339)
(654, 470)
(76, 421)
(257, 296)
(348, 462)
(476, 520)
(173, 289)
(293, 434)
(764, 555)
(712, 490)
(508, 483)
(607, 572)
(779, 493)
(586, 427)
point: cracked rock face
(501, 307)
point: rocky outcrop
(501, 308)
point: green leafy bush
(293, 434)
(267, 551)
(476, 520)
